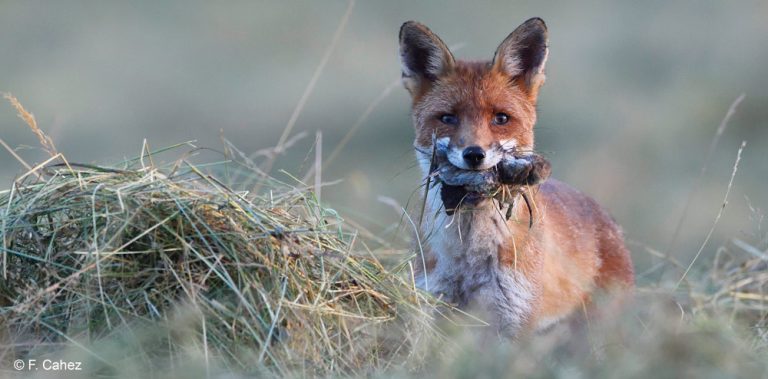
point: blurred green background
(634, 94)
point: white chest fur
(467, 270)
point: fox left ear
(523, 55)
(424, 57)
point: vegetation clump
(270, 282)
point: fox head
(478, 109)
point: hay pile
(257, 283)
(737, 287)
(88, 250)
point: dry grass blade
(670, 250)
(717, 218)
(312, 82)
(29, 119)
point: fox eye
(449, 119)
(500, 118)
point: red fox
(479, 251)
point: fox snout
(474, 157)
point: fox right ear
(423, 56)
(523, 55)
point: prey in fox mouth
(465, 187)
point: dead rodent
(469, 187)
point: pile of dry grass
(266, 283)
(737, 289)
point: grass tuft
(269, 283)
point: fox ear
(523, 54)
(423, 56)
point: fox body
(483, 254)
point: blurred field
(634, 95)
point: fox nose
(474, 155)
